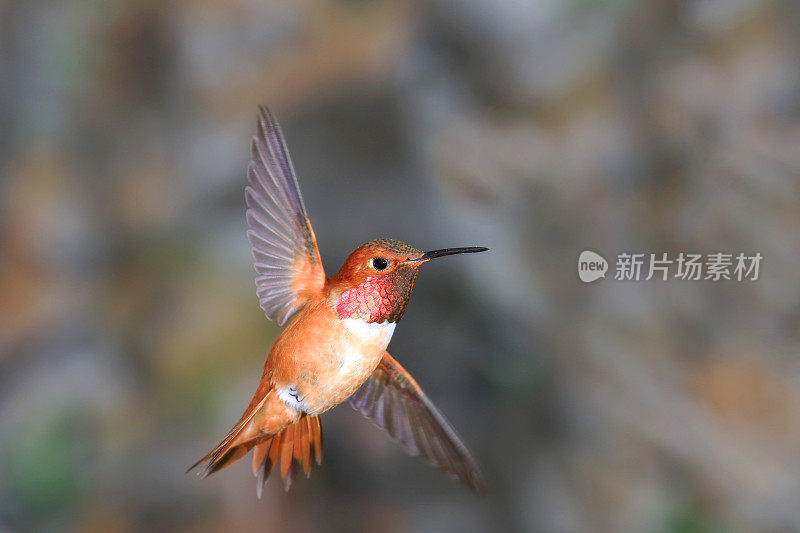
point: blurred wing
(284, 247)
(393, 401)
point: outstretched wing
(393, 401)
(284, 247)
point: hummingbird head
(377, 279)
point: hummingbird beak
(427, 256)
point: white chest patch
(376, 335)
(380, 332)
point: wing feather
(393, 401)
(285, 253)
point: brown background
(131, 338)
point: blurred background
(131, 338)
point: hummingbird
(334, 348)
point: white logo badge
(591, 266)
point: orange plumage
(334, 349)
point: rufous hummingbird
(335, 347)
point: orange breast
(320, 360)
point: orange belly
(320, 360)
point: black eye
(380, 263)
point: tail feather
(287, 450)
(302, 445)
(297, 446)
(232, 446)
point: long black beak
(447, 251)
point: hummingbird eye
(380, 263)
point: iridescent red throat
(379, 299)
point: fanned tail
(234, 446)
(298, 445)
